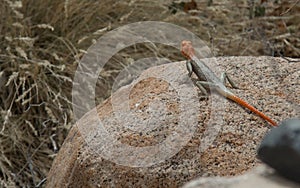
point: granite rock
(213, 137)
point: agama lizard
(208, 78)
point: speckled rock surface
(270, 84)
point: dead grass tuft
(43, 41)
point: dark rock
(280, 149)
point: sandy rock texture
(157, 132)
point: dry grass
(43, 41)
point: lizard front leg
(189, 67)
(202, 85)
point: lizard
(207, 78)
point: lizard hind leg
(225, 77)
(204, 87)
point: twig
(30, 165)
(54, 143)
(41, 182)
(290, 8)
(291, 45)
(289, 60)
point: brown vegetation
(43, 41)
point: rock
(156, 132)
(280, 149)
(261, 176)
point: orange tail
(250, 107)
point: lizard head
(187, 49)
